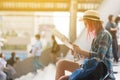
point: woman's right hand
(76, 49)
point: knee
(64, 78)
(61, 62)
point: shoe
(115, 72)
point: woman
(101, 47)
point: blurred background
(20, 20)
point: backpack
(91, 70)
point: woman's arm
(113, 29)
(80, 51)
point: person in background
(112, 28)
(17, 59)
(10, 66)
(36, 51)
(12, 60)
(101, 47)
(2, 67)
(117, 23)
(54, 50)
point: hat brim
(81, 19)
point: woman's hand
(76, 53)
(76, 49)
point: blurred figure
(17, 59)
(12, 60)
(112, 28)
(36, 51)
(54, 50)
(2, 66)
(10, 66)
(117, 23)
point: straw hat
(92, 15)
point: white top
(38, 46)
(2, 64)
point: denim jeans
(37, 64)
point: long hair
(93, 27)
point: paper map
(63, 38)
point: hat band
(88, 16)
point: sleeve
(102, 47)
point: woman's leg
(64, 78)
(63, 65)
